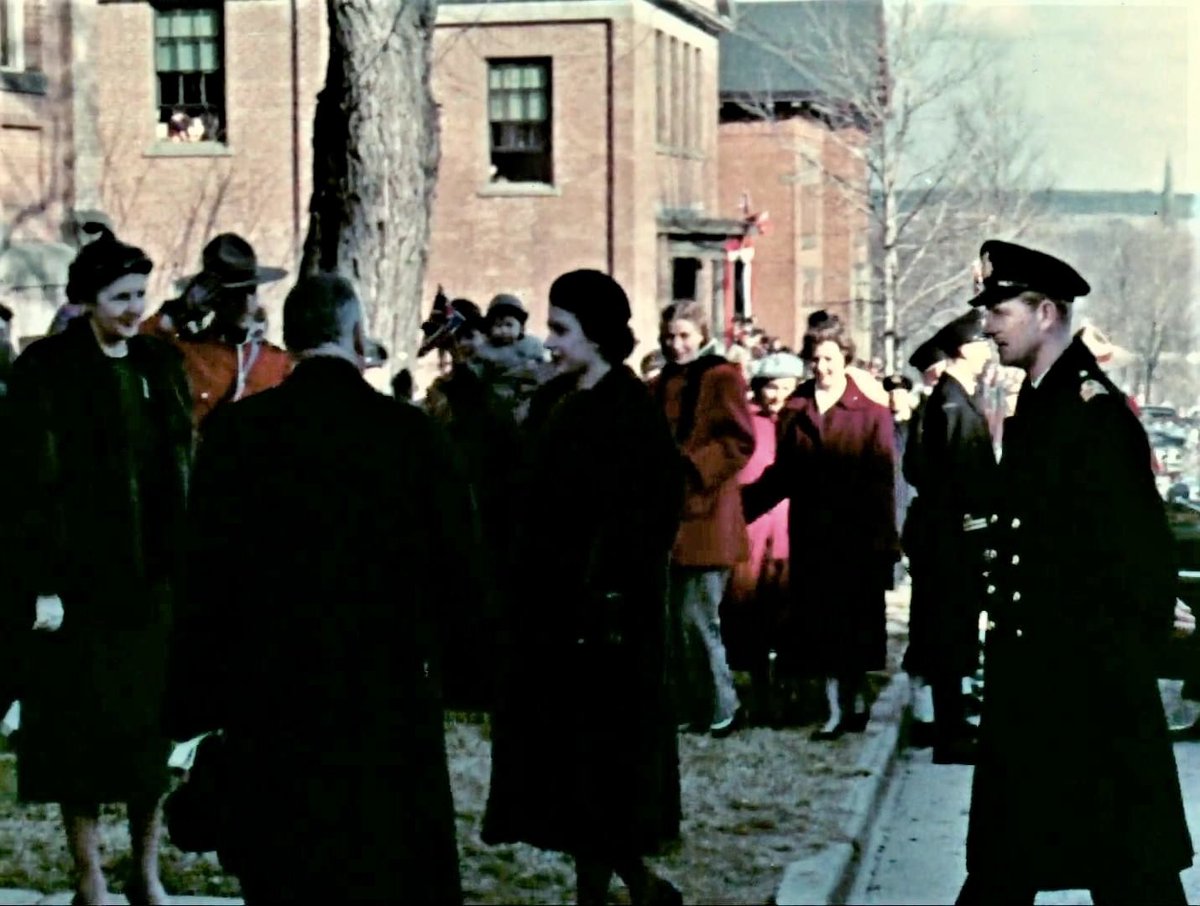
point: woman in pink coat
(754, 610)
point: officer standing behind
(931, 362)
(955, 487)
(1076, 784)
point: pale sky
(1111, 86)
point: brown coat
(212, 368)
(717, 446)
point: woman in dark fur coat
(585, 755)
(99, 431)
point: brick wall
(492, 237)
(792, 169)
(172, 197)
(35, 129)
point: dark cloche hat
(966, 328)
(231, 261)
(1007, 269)
(100, 263)
(897, 382)
(926, 355)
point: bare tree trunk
(891, 270)
(375, 155)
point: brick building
(35, 150)
(781, 154)
(574, 134)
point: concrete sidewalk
(917, 853)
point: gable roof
(779, 49)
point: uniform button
(204, 395)
(1016, 596)
(989, 555)
(1019, 633)
(1016, 523)
(991, 624)
(1016, 559)
(994, 519)
(991, 589)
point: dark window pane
(168, 89)
(192, 91)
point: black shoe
(823, 735)
(920, 734)
(961, 751)
(857, 722)
(728, 727)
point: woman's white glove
(49, 613)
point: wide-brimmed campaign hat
(1006, 270)
(231, 261)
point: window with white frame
(190, 72)
(12, 34)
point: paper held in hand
(12, 720)
(183, 756)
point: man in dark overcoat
(955, 482)
(313, 641)
(1075, 784)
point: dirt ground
(752, 803)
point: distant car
(1156, 413)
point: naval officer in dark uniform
(955, 484)
(1076, 784)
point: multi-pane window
(12, 34)
(191, 77)
(519, 120)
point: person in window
(835, 462)
(98, 430)
(217, 324)
(179, 126)
(585, 749)
(704, 398)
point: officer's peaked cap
(926, 355)
(1008, 269)
(966, 328)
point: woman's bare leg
(145, 829)
(82, 824)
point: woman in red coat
(835, 462)
(704, 397)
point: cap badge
(985, 265)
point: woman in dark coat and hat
(835, 461)
(100, 433)
(585, 757)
